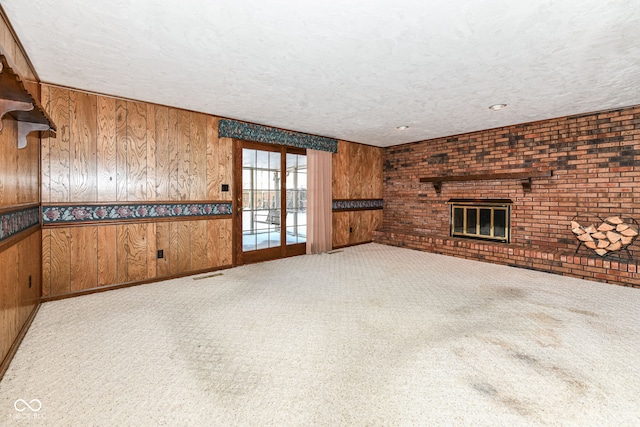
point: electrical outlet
(225, 187)
(160, 253)
(350, 229)
(29, 281)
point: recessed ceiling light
(496, 107)
(402, 128)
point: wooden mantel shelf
(18, 102)
(524, 177)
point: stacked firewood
(610, 236)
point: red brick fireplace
(551, 170)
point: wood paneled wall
(110, 150)
(357, 174)
(113, 150)
(19, 187)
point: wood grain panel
(184, 154)
(225, 166)
(122, 249)
(340, 228)
(59, 146)
(151, 251)
(82, 146)
(340, 171)
(121, 152)
(60, 260)
(46, 262)
(137, 252)
(174, 252)
(198, 244)
(9, 295)
(162, 145)
(45, 167)
(213, 243)
(163, 242)
(29, 281)
(136, 151)
(174, 154)
(213, 178)
(84, 258)
(107, 253)
(106, 163)
(225, 253)
(182, 249)
(198, 157)
(152, 142)
(376, 173)
(8, 163)
(356, 171)
(29, 170)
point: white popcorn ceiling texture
(350, 70)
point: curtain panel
(319, 202)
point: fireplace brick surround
(593, 165)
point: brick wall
(595, 160)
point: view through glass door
(272, 177)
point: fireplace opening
(481, 219)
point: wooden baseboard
(130, 284)
(16, 343)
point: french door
(270, 219)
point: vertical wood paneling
(182, 247)
(136, 151)
(162, 144)
(340, 171)
(121, 152)
(9, 295)
(151, 251)
(140, 152)
(45, 167)
(213, 178)
(198, 244)
(174, 191)
(107, 252)
(137, 255)
(225, 166)
(198, 157)
(83, 146)
(59, 146)
(84, 258)
(340, 228)
(226, 239)
(184, 154)
(163, 242)
(152, 142)
(122, 249)
(213, 243)
(107, 180)
(8, 163)
(174, 253)
(60, 261)
(46, 262)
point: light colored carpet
(373, 335)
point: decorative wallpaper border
(357, 204)
(80, 213)
(259, 133)
(12, 223)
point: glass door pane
(260, 199)
(296, 188)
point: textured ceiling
(352, 70)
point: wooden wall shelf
(524, 177)
(18, 102)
